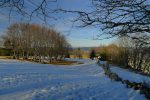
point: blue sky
(77, 37)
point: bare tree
(116, 17)
(135, 53)
(29, 8)
(139, 55)
(26, 40)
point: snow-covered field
(32, 81)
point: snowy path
(29, 81)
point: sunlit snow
(32, 81)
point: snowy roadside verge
(143, 87)
(131, 76)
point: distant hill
(84, 48)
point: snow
(32, 81)
(131, 76)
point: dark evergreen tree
(92, 54)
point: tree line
(35, 41)
(128, 53)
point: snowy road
(30, 81)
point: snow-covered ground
(131, 76)
(32, 81)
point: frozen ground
(31, 81)
(127, 75)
